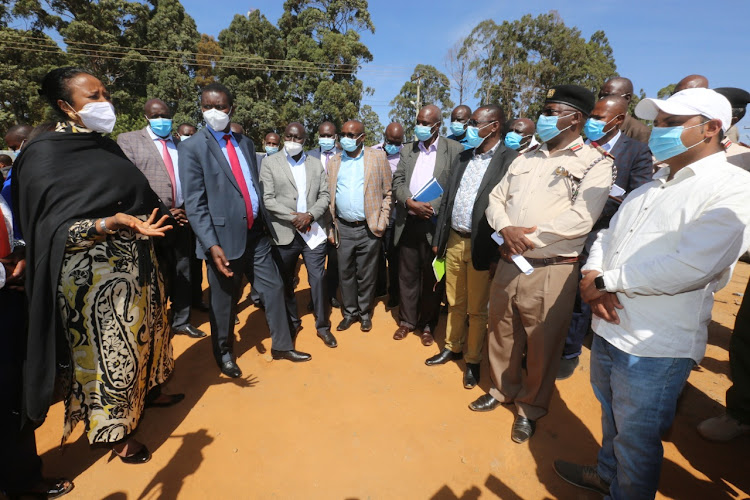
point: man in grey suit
(221, 182)
(430, 156)
(295, 193)
(153, 150)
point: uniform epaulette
(601, 150)
(533, 148)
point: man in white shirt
(650, 279)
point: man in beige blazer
(359, 180)
(295, 193)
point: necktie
(234, 162)
(170, 169)
(4, 237)
(328, 157)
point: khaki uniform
(733, 134)
(737, 154)
(532, 312)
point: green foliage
(434, 89)
(666, 91)
(373, 128)
(516, 62)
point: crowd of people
(601, 223)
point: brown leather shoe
(427, 339)
(402, 332)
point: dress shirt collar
(155, 137)
(219, 136)
(381, 146)
(433, 146)
(607, 146)
(699, 168)
(345, 156)
(487, 154)
(295, 163)
(576, 146)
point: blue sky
(655, 42)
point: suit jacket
(635, 167)
(213, 200)
(139, 148)
(635, 129)
(447, 155)
(483, 248)
(280, 195)
(377, 189)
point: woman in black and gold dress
(96, 296)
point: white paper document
(519, 260)
(616, 191)
(315, 236)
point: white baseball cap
(698, 101)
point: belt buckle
(546, 261)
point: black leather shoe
(173, 400)
(191, 332)
(567, 368)
(345, 324)
(230, 369)
(46, 488)
(292, 355)
(523, 429)
(471, 376)
(443, 357)
(335, 303)
(485, 402)
(328, 339)
(366, 325)
(140, 457)
(201, 306)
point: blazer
(635, 167)
(483, 248)
(635, 129)
(213, 200)
(280, 195)
(139, 148)
(447, 155)
(377, 189)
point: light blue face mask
(546, 127)
(513, 140)
(271, 150)
(472, 136)
(326, 143)
(594, 129)
(666, 142)
(349, 144)
(161, 126)
(458, 128)
(392, 149)
(423, 132)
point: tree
(457, 63)
(516, 62)
(434, 89)
(207, 60)
(373, 127)
(667, 91)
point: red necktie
(170, 169)
(4, 237)
(234, 161)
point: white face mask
(185, 137)
(292, 148)
(217, 120)
(98, 116)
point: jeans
(639, 398)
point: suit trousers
(357, 259)
(20, 465)
(225, 292)
(468, 292)
(332, 270)
(420, 297)
(181, 290)
(388, 266)
(315, 262)
(529, 313)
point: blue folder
(429, 191)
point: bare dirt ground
(369, 420)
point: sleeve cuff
(612, 280)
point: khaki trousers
(468, 292)
(529, 313)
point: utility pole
(418, 104)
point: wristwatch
(311, 216)
(103, 226)
(599, 283)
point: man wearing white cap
(650, 280)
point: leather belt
(353, 224)
(551, 261)
(462, 234)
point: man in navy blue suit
(635, 167)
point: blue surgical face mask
(326, 143)
(423, 132)
(666, 142)
(546, 126)
(161, 126)
(458, 128)
(271, 150)
(472, 136)
(349, 144)
(392, 149)
(513, 140)
(594, 129)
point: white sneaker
(723, 428)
